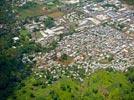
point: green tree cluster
(49, 22)
(29, 5)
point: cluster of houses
(103, 38)
(23, 2)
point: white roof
(97, 22)
(59, 32)
(58, 28)
(83, 22)
(49, 31)
(16, 38)
(70, 1)
(102, 17)
(43, 33)
(41, 39)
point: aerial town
(103, 36)
(78, 37)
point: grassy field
(39, 9)
(36, 11)
(56, 14)
(102, 85)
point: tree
(64, 57)
(49, 22)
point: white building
(70, 1)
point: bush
(64, 57)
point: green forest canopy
(102, 85)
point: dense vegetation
(130, 2)
(102, 85)
(12, 69)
